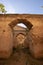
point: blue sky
(23, 6)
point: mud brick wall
(34, 38)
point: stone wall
(34, 38)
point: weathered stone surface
(6, 40)
(35, 39)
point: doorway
(20, 29)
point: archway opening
(20, 28)
(20, 31)
(22, 25)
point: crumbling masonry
(34, 37)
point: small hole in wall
(3, 30)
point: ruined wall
(35, 33)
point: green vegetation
(2, 8)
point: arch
(20, 33)
(20, 37)
(24, 21)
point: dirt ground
(21, 57)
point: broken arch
(20, 35)
(24, 21)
